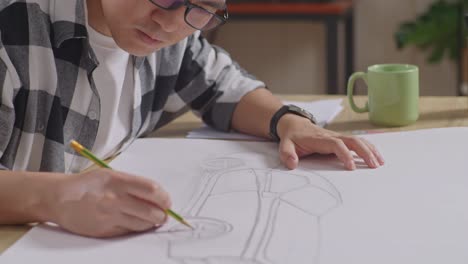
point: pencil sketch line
(330, 184)
(337, 194)
(205, 198)
(257, 217)
(196, 196)
(320, 237)
(232, 192)
(268, 233)
(269, 180)
(265, 209)
(214, 178)
(300, 209)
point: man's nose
(169, 20)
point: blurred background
(290, 55)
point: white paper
(249, 209)
(324, 111)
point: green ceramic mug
(393, 94)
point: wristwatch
(288, 109)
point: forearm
(254, 111)
(26, 197)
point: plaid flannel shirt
(44, 57)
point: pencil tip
(187, 224)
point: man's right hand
(104, 203)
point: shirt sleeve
(7, 113)
(226, 82)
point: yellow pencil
(89, 155)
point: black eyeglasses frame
(222, 19)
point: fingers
(143, 210)
(322, 145)
(288, 154)
(374, 150)
(119, 203)
(363, 150)
(110, 232)
(341, 146)
(342, 152)
(147, 190)
(133, 223)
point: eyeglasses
(199, 14)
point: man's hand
(299, 138)
(105, 203)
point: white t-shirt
(115, 83)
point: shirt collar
(139, 61)
(68, 20)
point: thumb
(288, 155)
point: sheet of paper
(324, 111)
(248, 209)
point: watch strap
(285, 109)
(274, 122)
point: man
(105, 72)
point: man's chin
(138, 48)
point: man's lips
(148, 39)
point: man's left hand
(300, 137)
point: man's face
(138, 26)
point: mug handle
(351, 82)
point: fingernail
(380, 158)
(376, 162)
(351, 165)
(291, 163)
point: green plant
(437, 30)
